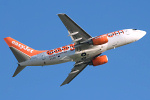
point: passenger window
(117, 33)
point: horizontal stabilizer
(20, 56)
(18, 70)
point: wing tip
(62, 84)
(13, 75)
(61, 14)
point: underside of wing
(74, 72)
(80, 38)
(77, 34)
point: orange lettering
(50, 52)
(72, 47)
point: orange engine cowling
(100, 60)
(102, 39)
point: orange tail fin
(20, 50)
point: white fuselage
(115, 39)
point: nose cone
(133, 35)
(140, 34)
(143, 33)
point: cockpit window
(134, 29)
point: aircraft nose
(143, 33)
(140, 34)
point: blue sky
(126, 76)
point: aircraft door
(43, 59)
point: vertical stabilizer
(21, 52)
(21, 47)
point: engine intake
(102, 39)
(100, 60)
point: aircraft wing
(77, 34)
(74, 72)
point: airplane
(85, 50)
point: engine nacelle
(100, 60)
(102, 39)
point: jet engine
(102, 39)
(100, 60)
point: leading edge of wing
(74, 72)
